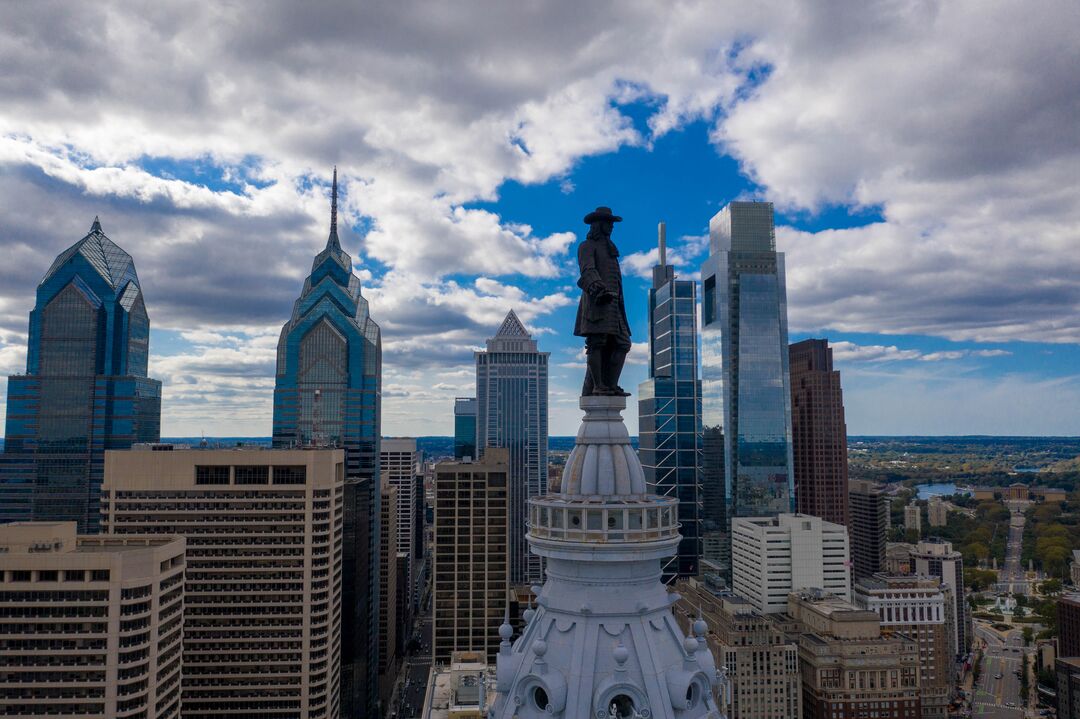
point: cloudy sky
(923, 158)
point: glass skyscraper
(669, 408)
(85, 389)
(746, 399)
(328, 394)
(512, 412)
(464, 427)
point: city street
(999, 683)
(408, 703)
(1012, 578)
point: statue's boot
(594, 378)
(614, 370)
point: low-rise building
(89, 625)
(773, 556)
(462, 689)
(849, 667)
(1074, 568)
(917, 608)
(762, 662)
(898, 558)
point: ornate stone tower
(602, 642)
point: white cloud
(844, 351)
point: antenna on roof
(661, 230)
(333, 205)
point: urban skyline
(961, 310)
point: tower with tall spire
(85, 389)
(602, 642)
(512, 412)
(328, 393)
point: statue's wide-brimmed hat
(600, 214)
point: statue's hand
(605, 298)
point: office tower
(403, 602)
(602, 640)
(398, 467)
(512, 413)
(869, 518)
(913, 518)
(746, 398)
(262, 605)
(936, 558)
(936, 512)
(851, 668)
(774, 556)
(819, 433)
(1068, 614)
(328, 394)
(91, 625)
(388, 594)
(465, 428)
(669, 408)
(85, 389)
(1068, 687)
(916, 608)
(469, 560)
(762, 663)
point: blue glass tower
(669, 409)
(85, 389)
(328, 394)
(746, 397)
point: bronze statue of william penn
(601, 316)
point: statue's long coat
(598, 261)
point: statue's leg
(594, 373)
(617, 347)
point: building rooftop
(459, 690)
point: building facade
(1068, 614)
(512, 413)
(389, 659)
(465, 428)
(762, 662)
(774, 556)
(91, 625)
(669, 408)
(916, 607)
(913, 518)
(819, 433)
(851, 669)
(328, 393)
(936, 512)
(936, 558)
(398, 467)
(746, 398)
(85, 389)
(867, 528)
(1068, 687)
(262, 605)
(470, 565)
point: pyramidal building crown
(602, 642)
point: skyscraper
(328, 394)
(512, 412)
(465, 427)
(469, 559)
(746, 399)
(937, 558)
(669, 408)
(85, 389)
(398, 467)
(819, 433)
(869, 514)
(262, 587)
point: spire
(662, 231)
(512, 327)
(96, 226)
(332, 241)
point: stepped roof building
(85, 389)
(603, 641)
(328, 393)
